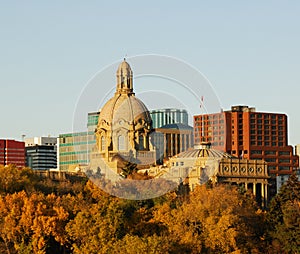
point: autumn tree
(216, 220)
(13, 179)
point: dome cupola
(124, 79)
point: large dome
(124, 122)
(127, 108)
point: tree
(283, 218)
(13, 179)
(215, 220)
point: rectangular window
(270, 152)
(284, 168)
(256, 152)
(270, 160)
(284, 153)
(284, 161)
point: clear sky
(249, 50)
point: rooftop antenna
(23, 137)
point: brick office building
(12, 152)
(243, 132)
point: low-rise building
(12, 152)
(41, 153)
(200, 165)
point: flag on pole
(201, 103)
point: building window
(270, 160)
(284, 161)
(270, 152)
(256, 152)
(141, 142)
(121, 143)
(284, 168)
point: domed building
(124, 126)
(197, 166)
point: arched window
(141, 142)
(103, 143)
(121, 143)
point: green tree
(283, 218)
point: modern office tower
(172, 139)
(74, 149)
(41, 141)
(12, 152)
(41, 157)
(41, 153)
(245, 133)
(92, 121)
(161, 117)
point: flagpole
(202, 119)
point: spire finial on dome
(124, 78)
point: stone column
(263, 198)
(171, 148)
(266, 194)
(145, 141)
(165, 145)
(176, 143)
(254, 189)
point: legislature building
(124, 128)
(125, 134)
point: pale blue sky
(249, 50)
